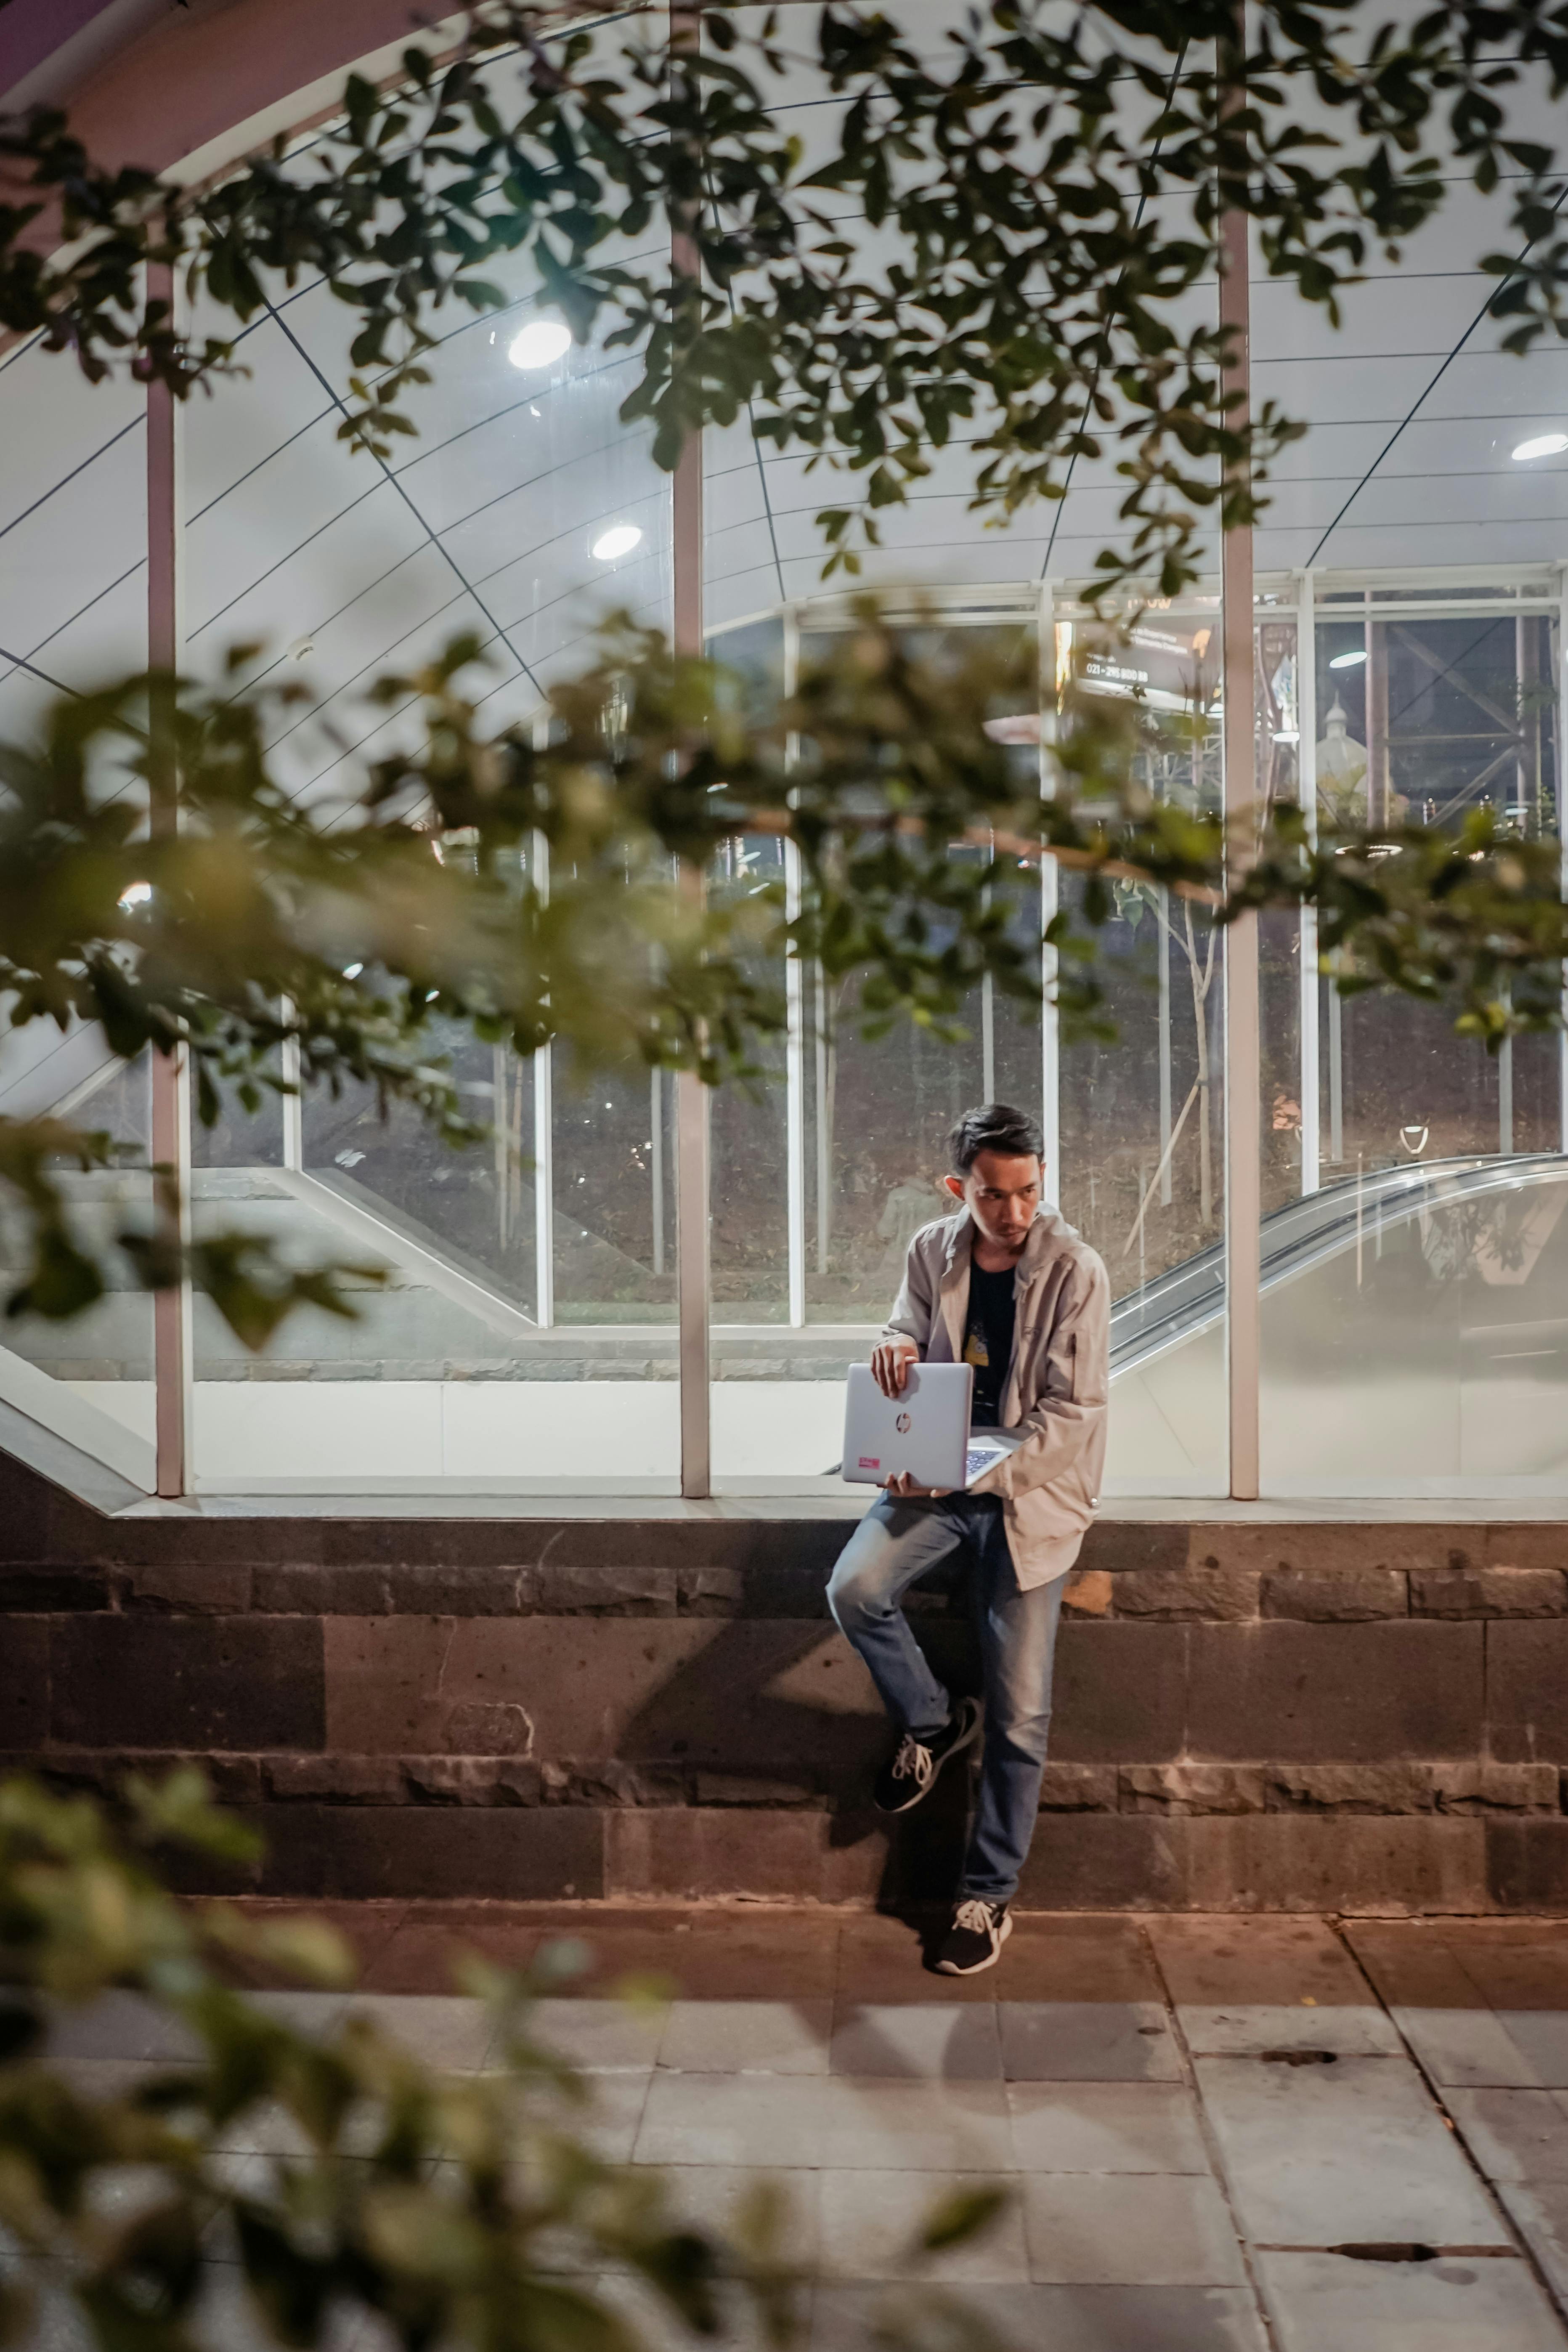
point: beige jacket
(1057, 1382)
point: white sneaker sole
(978, 1968)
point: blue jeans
(896, 1543)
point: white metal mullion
(1562, 847)
(1243, 1119)
(173, 1371)
(543, 1134)
(1307, 785)
(794, 1029)
(1050, 901)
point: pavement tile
(882, 1959)
(1106, 2128)
(907, 2127)
(870, 2224)
(425, 1957)
(596, 2035)
(733, 2119)
(1326, 2302)
(313, 2014)
(1324, 2154)
(1540, 2036)
(266, 2128)
(1150, 2229)
(441, 2030)
(1064, 2318)
(714, 2200)
(749, 1951)
(1513, 2134)
(746, 2037)
(1465, 2049)
(116, 2078)
(1539, 2212)
(1257, 1959)
(934, 2043)
(654, 2327)
(1411, 1965)
(1246, 2028)
(1086, 2042)
(366, 1927)
(1076, 1956)
(1525, 1971)
(714, 2197)
(607, 2121)
(121, 2025)
(1068, 1955)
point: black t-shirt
(988, 1340)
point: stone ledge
(1412, 1865)
(1184, 1790)
(763, 1570)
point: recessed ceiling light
(618, 540)
(135, 894)
(539, 344)
(1545, 444)
(1349, 661)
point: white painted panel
(560, 1429)
(792, 1429)
(306, 1430)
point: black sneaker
(911, 1774)
(976, 1938)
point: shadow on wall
(785, 1715)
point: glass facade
(73, 612)
(529, 1299)
(1408, 657)
(1411, 1341)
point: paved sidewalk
(1221, 2133)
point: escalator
(1414, 1341)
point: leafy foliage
(990, 252)
(453, 2210)
(542, 886)
(992, 245)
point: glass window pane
(1142, 1118)
(73, 616)
(529, 1307)
(1411, 1316)
(1141, 1171)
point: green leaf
(965, 2214)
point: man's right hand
(890, 1361)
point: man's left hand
(908, 1489)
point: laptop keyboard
(979, 1458)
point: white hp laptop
(925, 1432)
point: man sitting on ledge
(1005, 1286)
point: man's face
(1002, 1194)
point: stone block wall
(1346, 1717)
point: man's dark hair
(994, 1126)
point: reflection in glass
(1413, 1306)
(1139, 1169)
(529, 1295)
(1429, 714)
(1143, 1119)
(99, 1362)
(73, 616)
